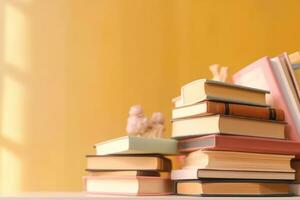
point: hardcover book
(140, 185)
(137, 145)
(222, 124)
(269, 74)
(128, 163)
(194, 174)
(239, 143)
(204, 89)
(231, 188)
(214, 107)
(239, 161)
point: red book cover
(240, 143)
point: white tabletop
(84, 196)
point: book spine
(264, 113)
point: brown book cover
(147, 162)
(213, 107)
(237, 188)
(239, 143)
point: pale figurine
(219, 75)
(156, 126)
(139, 125)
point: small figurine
(219, 75)
(139, 125)
(136, 122)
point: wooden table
(84, 196)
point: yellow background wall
(70, 69)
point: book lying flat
(140, 185)
(137, 145)
(269, 74)
(238, 188)
(222, 124)
(194, 174)
(239, 143)
(213, 107)
(128, 163)
(204, 89)
(122, 173)
(296, 166)
(295, 189)
(239, 161)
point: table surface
(84, 196)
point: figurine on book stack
(234, 142)
(134, 164)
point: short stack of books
(131, 166)
(234, 142)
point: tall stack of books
(281, 76)
(131, 166)
(234, 142)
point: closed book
(296, 166)
(269, 74)
(213, 107)
(194, 174)
(122, 173)
(295, 57)
(239, 161)
(137, 145)
(140, 185)
(204, 89)
(294, 189)
(239, 143)
(128, 163)
(289, 72)
(231, 188)
(222, 124)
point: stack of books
(295, 61)
(234, 142)
(131, 166)
(281, 76)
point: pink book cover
(240, 143)
(260, 75)
(85, 178)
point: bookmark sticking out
(219, 75)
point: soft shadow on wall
(32, 95)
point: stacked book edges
(235, 142)
(131, 166)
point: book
(213, 107)
(268, 74)
(194, 174)
(239, 143)
(296, 166)
(239, 161)
(137, 145)
(295, 189)
(140, 185)
(204, 89)
(295, 57)
(287, 66)
(128, 163)
(230, 188)
(295, 62)
(122, 173)
(222, 124)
